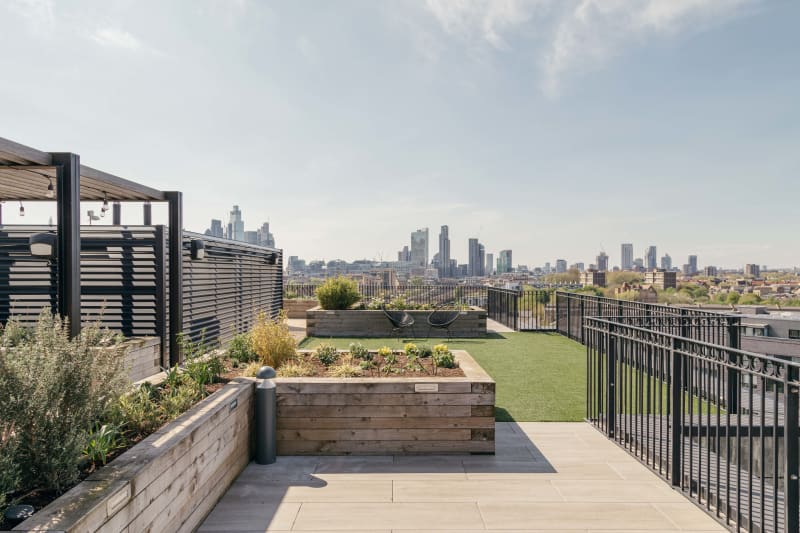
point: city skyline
(464, 112)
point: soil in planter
(421, 368)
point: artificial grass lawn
(541, 377)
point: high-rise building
(476, 259)
(419, 247)
(626, 262)
(561, 266)
(265, 237)
(404, 255)
(593, 277)
(651, 258)
(693, 265)
(216, 229)
(235, 225)
(251, 237)
(602, 262)
(666, 262)
(489, 270)
(710, 271)
(444, 253)
(752, 270)
(481, 260)
(504, 262)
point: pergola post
(116, 214)
(147, 214)
(68, 179)
(175, 202)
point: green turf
(540, 376)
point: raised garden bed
(297, 307)
(370, 323)
(385, 414)
(170, 480)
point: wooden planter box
(388, 416)
(296, 308)
(367, 323)
(168, 482)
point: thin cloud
(38, 14)
(114, 37)
(575, 36)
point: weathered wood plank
(295, 447)
(365, 422)
(385, 399)
(394, 411)
(371, 385)
(375, 434)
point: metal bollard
(266, 417)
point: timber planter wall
(380, 416)
(296, 308)
(143, 357)
(368, 323)
(168, 482)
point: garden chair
(400, 320)
(442, 319)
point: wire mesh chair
(400, 320)
(442, 319)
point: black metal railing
(698, 324)
(416, 294)
(718, 423)
(522, 310)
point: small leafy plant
(425, 351)
(411, 349)
(384, 351)
(297, 368)
(103, 442)
(241, 348)
(327, 354)
(346, 369)
(272, 341)
(359, 351)
(443, 357)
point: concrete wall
(168, 482)
(366, 323)
(388, 416)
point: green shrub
(338, 293)
(327, 354)
(443, 357)
(54, 389)
(425, 351)
(359, 351)
(241, 348)
(384, 351)
(272, 340)
(345, 369)
(9, 470)
(138, 411)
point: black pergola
(30, 175)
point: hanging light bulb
(105, 204)
(21, 209)
(51, 191)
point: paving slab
(545, 477)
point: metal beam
(69, 238)
(175, 201)
(147, 214)
(116, 214)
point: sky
(555, 128)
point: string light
(105, 206)
(51, 191)
(21, 209)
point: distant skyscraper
(481, 267)
(419, 247)
(627, 256)
(693, 265)
(251, 237)
(651, 258)
(216, 229)
(489, 270)
(752, 270)
(602, 262)
(235, 225)
(444, 253)
(265, 237)
(561, 266)
(473, 258)
(504, 262)
(666, 262)
(404, 255)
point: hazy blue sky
(551, 127)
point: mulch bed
(420, 369)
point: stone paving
(544, 477)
